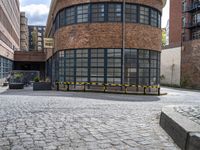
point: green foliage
(164, 36)
(36, 79)
(18, 75)
(47, 80)
(184, 82)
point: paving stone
(192, 112)
(73, 121)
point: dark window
(130, 66)
(154, 18)
(61, 66)
(82, 13)
(70, 65)
(131, 13)
(82, 65)
(144, 15)
(144, 65)
(98, 12)
(70, 15)
(5, 67)
(159, 20)
(97, 65)
(62, 18)
(111, 12)
(114, 66)
(154, 68)
(57, 22)
(114, 12)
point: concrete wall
(171, 66)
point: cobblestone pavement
(84, 121)
(192, 112)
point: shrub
(36, 79)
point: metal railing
(192, 25)
(193, 7)
(105, 86)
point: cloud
(36, 13)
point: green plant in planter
(36, 79)
(47, 80)
(17, 77)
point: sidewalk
(182, 123)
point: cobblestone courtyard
(79, 121)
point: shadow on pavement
(87, 95)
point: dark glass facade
(140, 67)
(6, 67)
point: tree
(164, 40)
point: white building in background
(171, 66)
(167, 33)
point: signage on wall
(48, 43)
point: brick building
(34, 58)
(103, 42)
(185, 38)
(9, 35)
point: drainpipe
(123, 41)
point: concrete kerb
(184, 132)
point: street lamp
(123, 40)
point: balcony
(193, 7)
(192, 25)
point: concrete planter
(42, 86)
(16, 86)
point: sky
(37, 11)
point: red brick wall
(23, 56)
(107, 35)
(175, 25)
(191, 64)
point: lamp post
(123, 40)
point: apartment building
(24, 34)
(9, 35)
(36, 38)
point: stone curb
(184, 132)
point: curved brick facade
(57, 5)
(92, 44)
(108, 35)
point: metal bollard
(159, 91)
(84, 88)
(145, 91)
(126, 89)
(67, 87)
(105, 88)
(57, 86)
